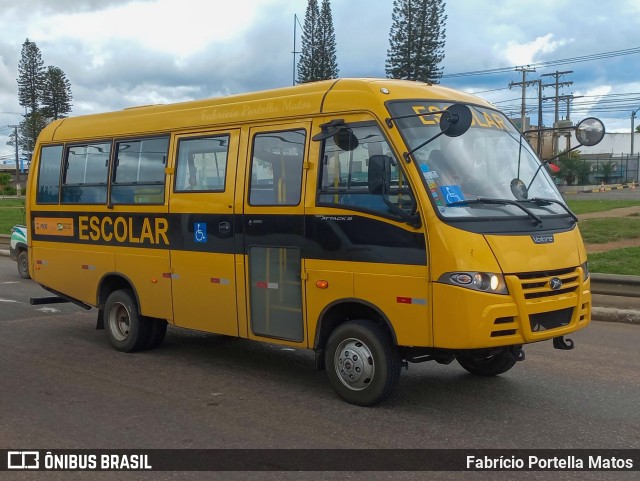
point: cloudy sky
(120, 53)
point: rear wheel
(127, 331)
(23, 264)
(489, 364)
(362, 363)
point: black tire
(362, 363)
(23, 264)
(490, 364)
(127, 331)
(157, 332)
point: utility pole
(557, 84)
(524, 85)
(17, 160)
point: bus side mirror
(379, 179)
(590, 131)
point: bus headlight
(585, 269)
(479, 281)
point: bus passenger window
(202, 164)
(49, 174)
(86, 170)
(138, 176)
(276, 168)
(345, 178)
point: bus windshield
(490, 161)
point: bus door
(202, 219)
(273, 223)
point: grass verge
(620, 261)
(11, 213)
(611, 229)
(591, 205)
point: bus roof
(324, 97)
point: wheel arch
(344, 310)
(113, 281)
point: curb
(612, 314)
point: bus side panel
(204, 291)
(402, 298)
(71, 269)
(328, 282)
(149, 273)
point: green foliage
(30, 76)
(4, 183)
(611, 229)
(620, 261)
(606, 170)
(416, 40)
(582, 172)
(56, 95)
(318, 60)
(12, 212)
(45, 93)
(569, 169)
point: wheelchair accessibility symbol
(200, 232)
(452, 193)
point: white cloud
(156, 26)
(525, 53)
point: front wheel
(362, 363)
(23, 264)
(488, 364)
(126, 329)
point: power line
(566, 61)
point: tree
(327, 43)
(569, 164)
(29, 129)
(30, 76)
(318, 56)
(637, 129)
(416, 40)
(4, 182)
(56, 94)
(45, 93)
(607, 170)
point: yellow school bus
(375, 222)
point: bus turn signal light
(322, 284)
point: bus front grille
(549, 283)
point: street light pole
(296, 22)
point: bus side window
(139, 171)
(276, 168)
(202, 164)
(345, 174)
(85, 173)
(49, 174)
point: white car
(18, 249)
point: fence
(610, 168)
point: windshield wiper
(543, 201)
(488, 200)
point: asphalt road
(62, 386)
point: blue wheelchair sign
(200, 232)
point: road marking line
(47, 309)
(10, 300)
